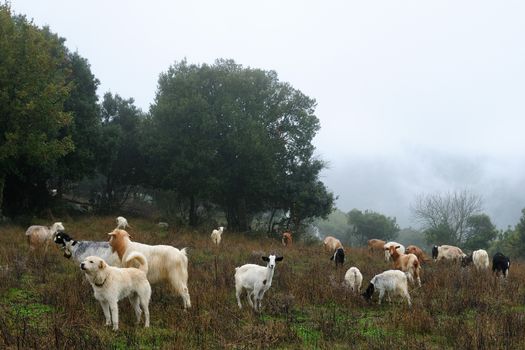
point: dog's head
(118, 240)
(92, 265)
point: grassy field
(46, 302)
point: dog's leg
(113, 306)
(134, 300)
(144, 303)
(107, 315)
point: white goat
(38, 236)
(216, 235)
(354, 279)
(122, 222)
(386, 248)
(256, 280)
(447, 252)
(390, 282)
(481, 259)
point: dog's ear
(101, 264)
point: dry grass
(46, 303)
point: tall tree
(369, 224)
(85, 126)
(33, 89)
(120, 160)
(446, 213)
(480, 231)
(236, 137)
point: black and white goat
(256, 280)
(80, 250)
(339, 256)
(500, 263)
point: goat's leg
(238, 291)
(381, 295)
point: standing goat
(375, 245)
(80, 250)
(339, 256)
(216, 235)
(353, 279)
(500, 263)
(256, 280)
(400, 249)
(122, 222)
(407, 263)
(38, 236)
(287, 238)
(390, 282)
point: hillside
(47, 303)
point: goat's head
(272, 260)
(57, 226)
(61, 238)
(466, 260)
(369, 292)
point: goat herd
(407, 265)
(121, 268)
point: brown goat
(406, 263)
(421, 256)
(332, 243)
(287, 238)
(375, 245)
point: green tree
(85, 126)
(119, 156)
(33, 90)
(479, 232)
(369, 224)
(236, 137)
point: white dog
(111, 284)
(166, 263)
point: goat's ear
(112, 233)
(265, 258)
(101, 264)
(279, 258)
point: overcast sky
(413, 96)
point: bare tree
(451, 210)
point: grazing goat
(390, 282)
(80, 250)
(407, 263)
(421, 256)
(447, 252)
(165, 263)
(286, 238)
(353, 279)
(338, 257)
(500, 263)
(216, 235)
(375, 245)
(39, 236)
(331, 243)
(122, 222)
(386, 248)
(256, 280)
(479, 258)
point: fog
(413, 97)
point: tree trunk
(270, 226)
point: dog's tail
(142, 262)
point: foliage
(236, 137)
(33, 90)
(480, 232)
(370, 225)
